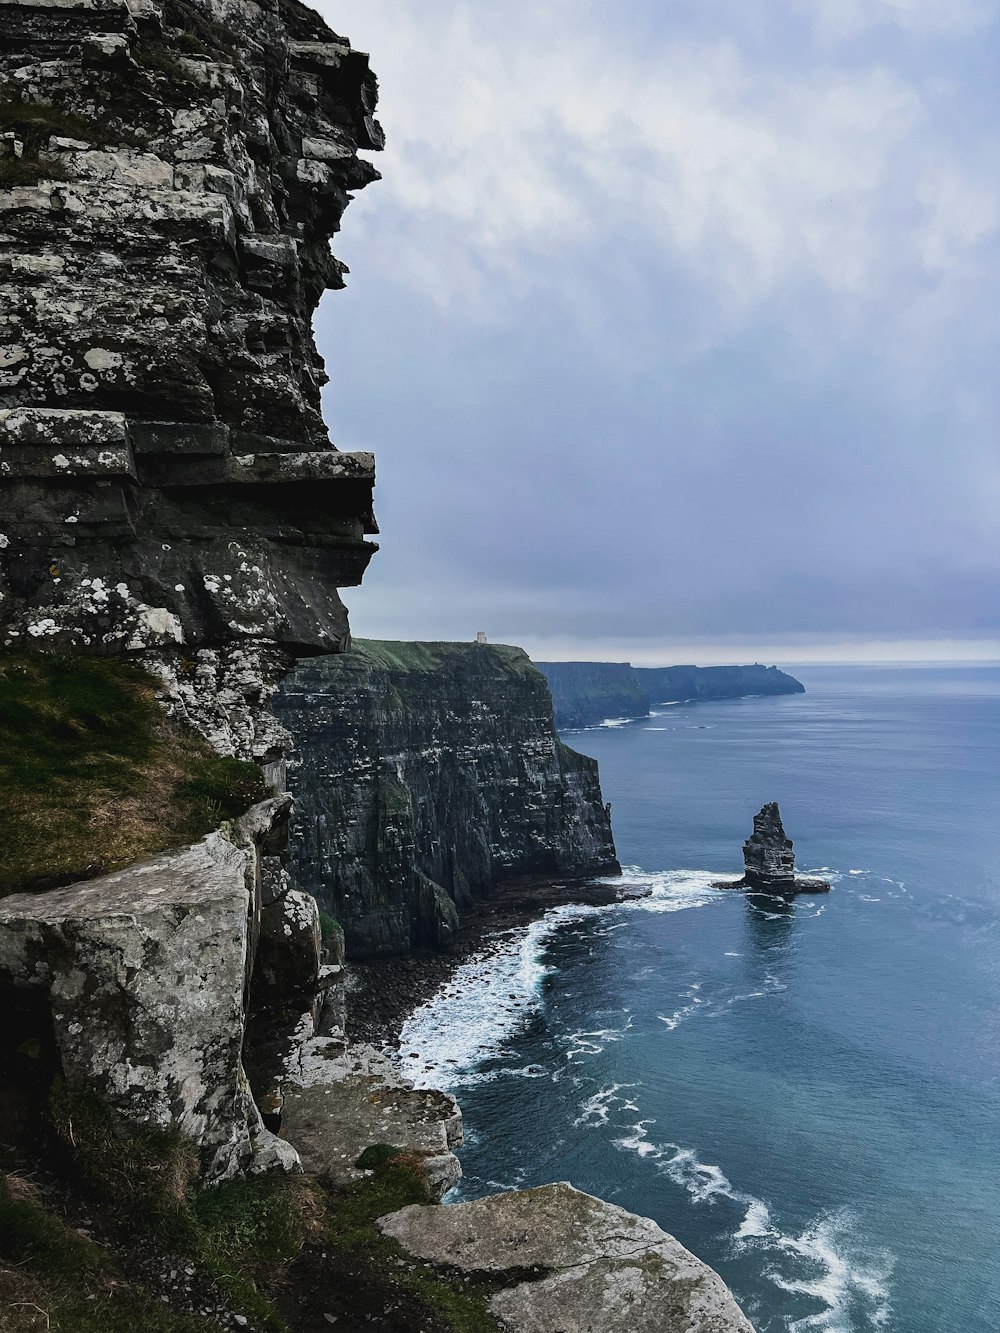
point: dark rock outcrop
(585, 694)
(769, 858)
(674, 683)
(425, 774)
(172, 173)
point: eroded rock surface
(174, 173)
(424, 775)
(769, 859)
(147, 973)
(340, 1099)
(570, 1263)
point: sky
(674, 327)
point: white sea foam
(498, 990)
(595, 1110)
(694, 1001)
(828, 1262)
(592, 1042)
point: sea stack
(769, 861)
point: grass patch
(93, 776)
(365, 1274)
(400, 655)
(142, 1178)
(55, 1279)
(199, 35)
(377, 1155)
(15, 171)
(284, 1250)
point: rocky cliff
(665, 684)
(585, 694)
(171, 175)
(424, 774)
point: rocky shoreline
(383, 993)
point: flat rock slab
(344, 1099)
(599, 1268)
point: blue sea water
(806, 1094)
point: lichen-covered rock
(424, 775)
(147, 973)
(176, 171)
(337, 1100)
(569, 1263)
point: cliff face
(720, 682)
(587, 693)
(424, 775)
(170, 177)
(171, 174)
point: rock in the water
(767, 853)
(769, 858)
(570, 1263)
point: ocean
(806, 1094)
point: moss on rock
(93, 775)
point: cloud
(847, 19)
(662, 322)
(507, 154)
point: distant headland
(587, 693)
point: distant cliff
(426, 773)
(586, 693)
(716, 682)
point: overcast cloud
(674, 327)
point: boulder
(340, 1099)
(147, 975)
(569, 1263)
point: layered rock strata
(170, 176)
(769, 858)
(424, 775)
(563, 1260)
(585, 694)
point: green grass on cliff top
(400, 655)
(282, 1252)
(94, 776)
